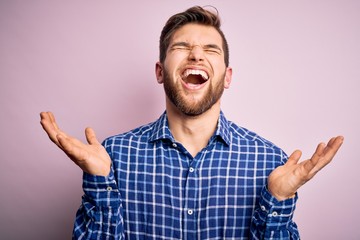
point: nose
(196, 53)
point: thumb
(90, 136)
(294, 157)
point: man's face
(194, 72)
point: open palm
(91, 158)
(285, 180)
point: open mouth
(194, 77)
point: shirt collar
(223, 129)
(161, 130)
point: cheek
(170, 65)
(217, 62)
(173, 57)
(220, 73)
(173, 67)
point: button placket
(192, 182)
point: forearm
(272, 219)
(100, 215)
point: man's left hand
(285, 180)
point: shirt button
(274, 214)
(190, 212)
(108, 189)
(191, 169)
(263, 208)
(174, 145)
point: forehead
(194, 33)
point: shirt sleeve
(100, 214)
(272, 219)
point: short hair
(197, 15)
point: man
(192, 174)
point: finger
(66, 145)
(312, 165)
(319, 151)
(90, 136)
(72, 147)
(323, 155)
(47, 125)
(53, 121)
(331, 141)
(333, 145)
(49, 119)
(294, 157)
(45, 118)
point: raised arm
(272, 218)
(101, 198)
(92, 158)
(285, 180)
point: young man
(192, 174)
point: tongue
(194, 79)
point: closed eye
(209, 48)
(180, 46)
(212, 48)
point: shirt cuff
(101, 191)
(278, 213)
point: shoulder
(248, 135)
(243, 136)
(137, 134)
(235, 134)
(251, 143)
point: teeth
(195, 72)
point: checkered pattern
(157, 190)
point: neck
(193, 132)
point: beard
(192, 107)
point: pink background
(296, 82)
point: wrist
(281, 197)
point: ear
(159, 72)
(228, 77)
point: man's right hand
(92, 158)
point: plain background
(296, 82)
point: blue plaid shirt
(157, 190)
